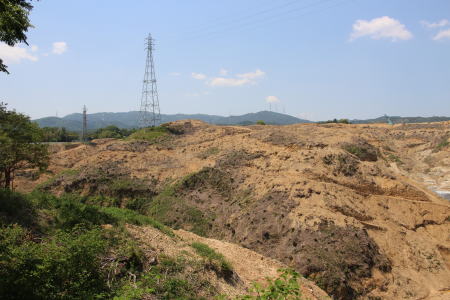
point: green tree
(20, 145)
(14, 23)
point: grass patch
(122, 215)
(216, 260)
(150, 134)
(444, 143)
(394, 158)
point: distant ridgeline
(73, 122)
(129, 119)
(400, 120)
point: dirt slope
(349, 206)
(248, 265)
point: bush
(15, 208)
(363, 150)
(65, 266)
(260, 122)
(285, 287)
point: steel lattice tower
(84, 130)
(149, 114)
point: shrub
(216, 260)
(342, 163)
(65, 266)
(15, 208)
(363, 150)
(260, 122)
(285, 287)
(71, 212)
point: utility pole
(84, 131)
(149, 114)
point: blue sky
(316, 59)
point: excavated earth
(351, 207)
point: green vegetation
(14, 23)
(285, 287)
(106, 185)
(150, 134)
(59, 134)
(394, 158)
(336, 121)
(111, 131)
(363, 150)
(342, 164)
(173, 278)
(65, 265)
(20, 145)
(170, 209)
(216, 260)
(260, 122)
(54, 247)
(444, 143)
(122, 215)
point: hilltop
(351, 207)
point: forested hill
(399, 120)
(130, 119)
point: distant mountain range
(130, 119)
(400, 120)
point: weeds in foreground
(285, 287)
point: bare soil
(349, 206)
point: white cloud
(175, 74)
(239, 80)
(34, 48)
(272, 99)
(59, 47)
(15, 54)
(443, 34)
(441, 23)
(378, 28)
(198, 76)
(221, 81)
(252, 75)
(223, 72)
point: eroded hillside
(348, 206)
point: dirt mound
(348, 205)
(246, 267)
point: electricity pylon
(149, 114)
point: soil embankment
(349, 206)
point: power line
(243, 23)
(227, 20)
